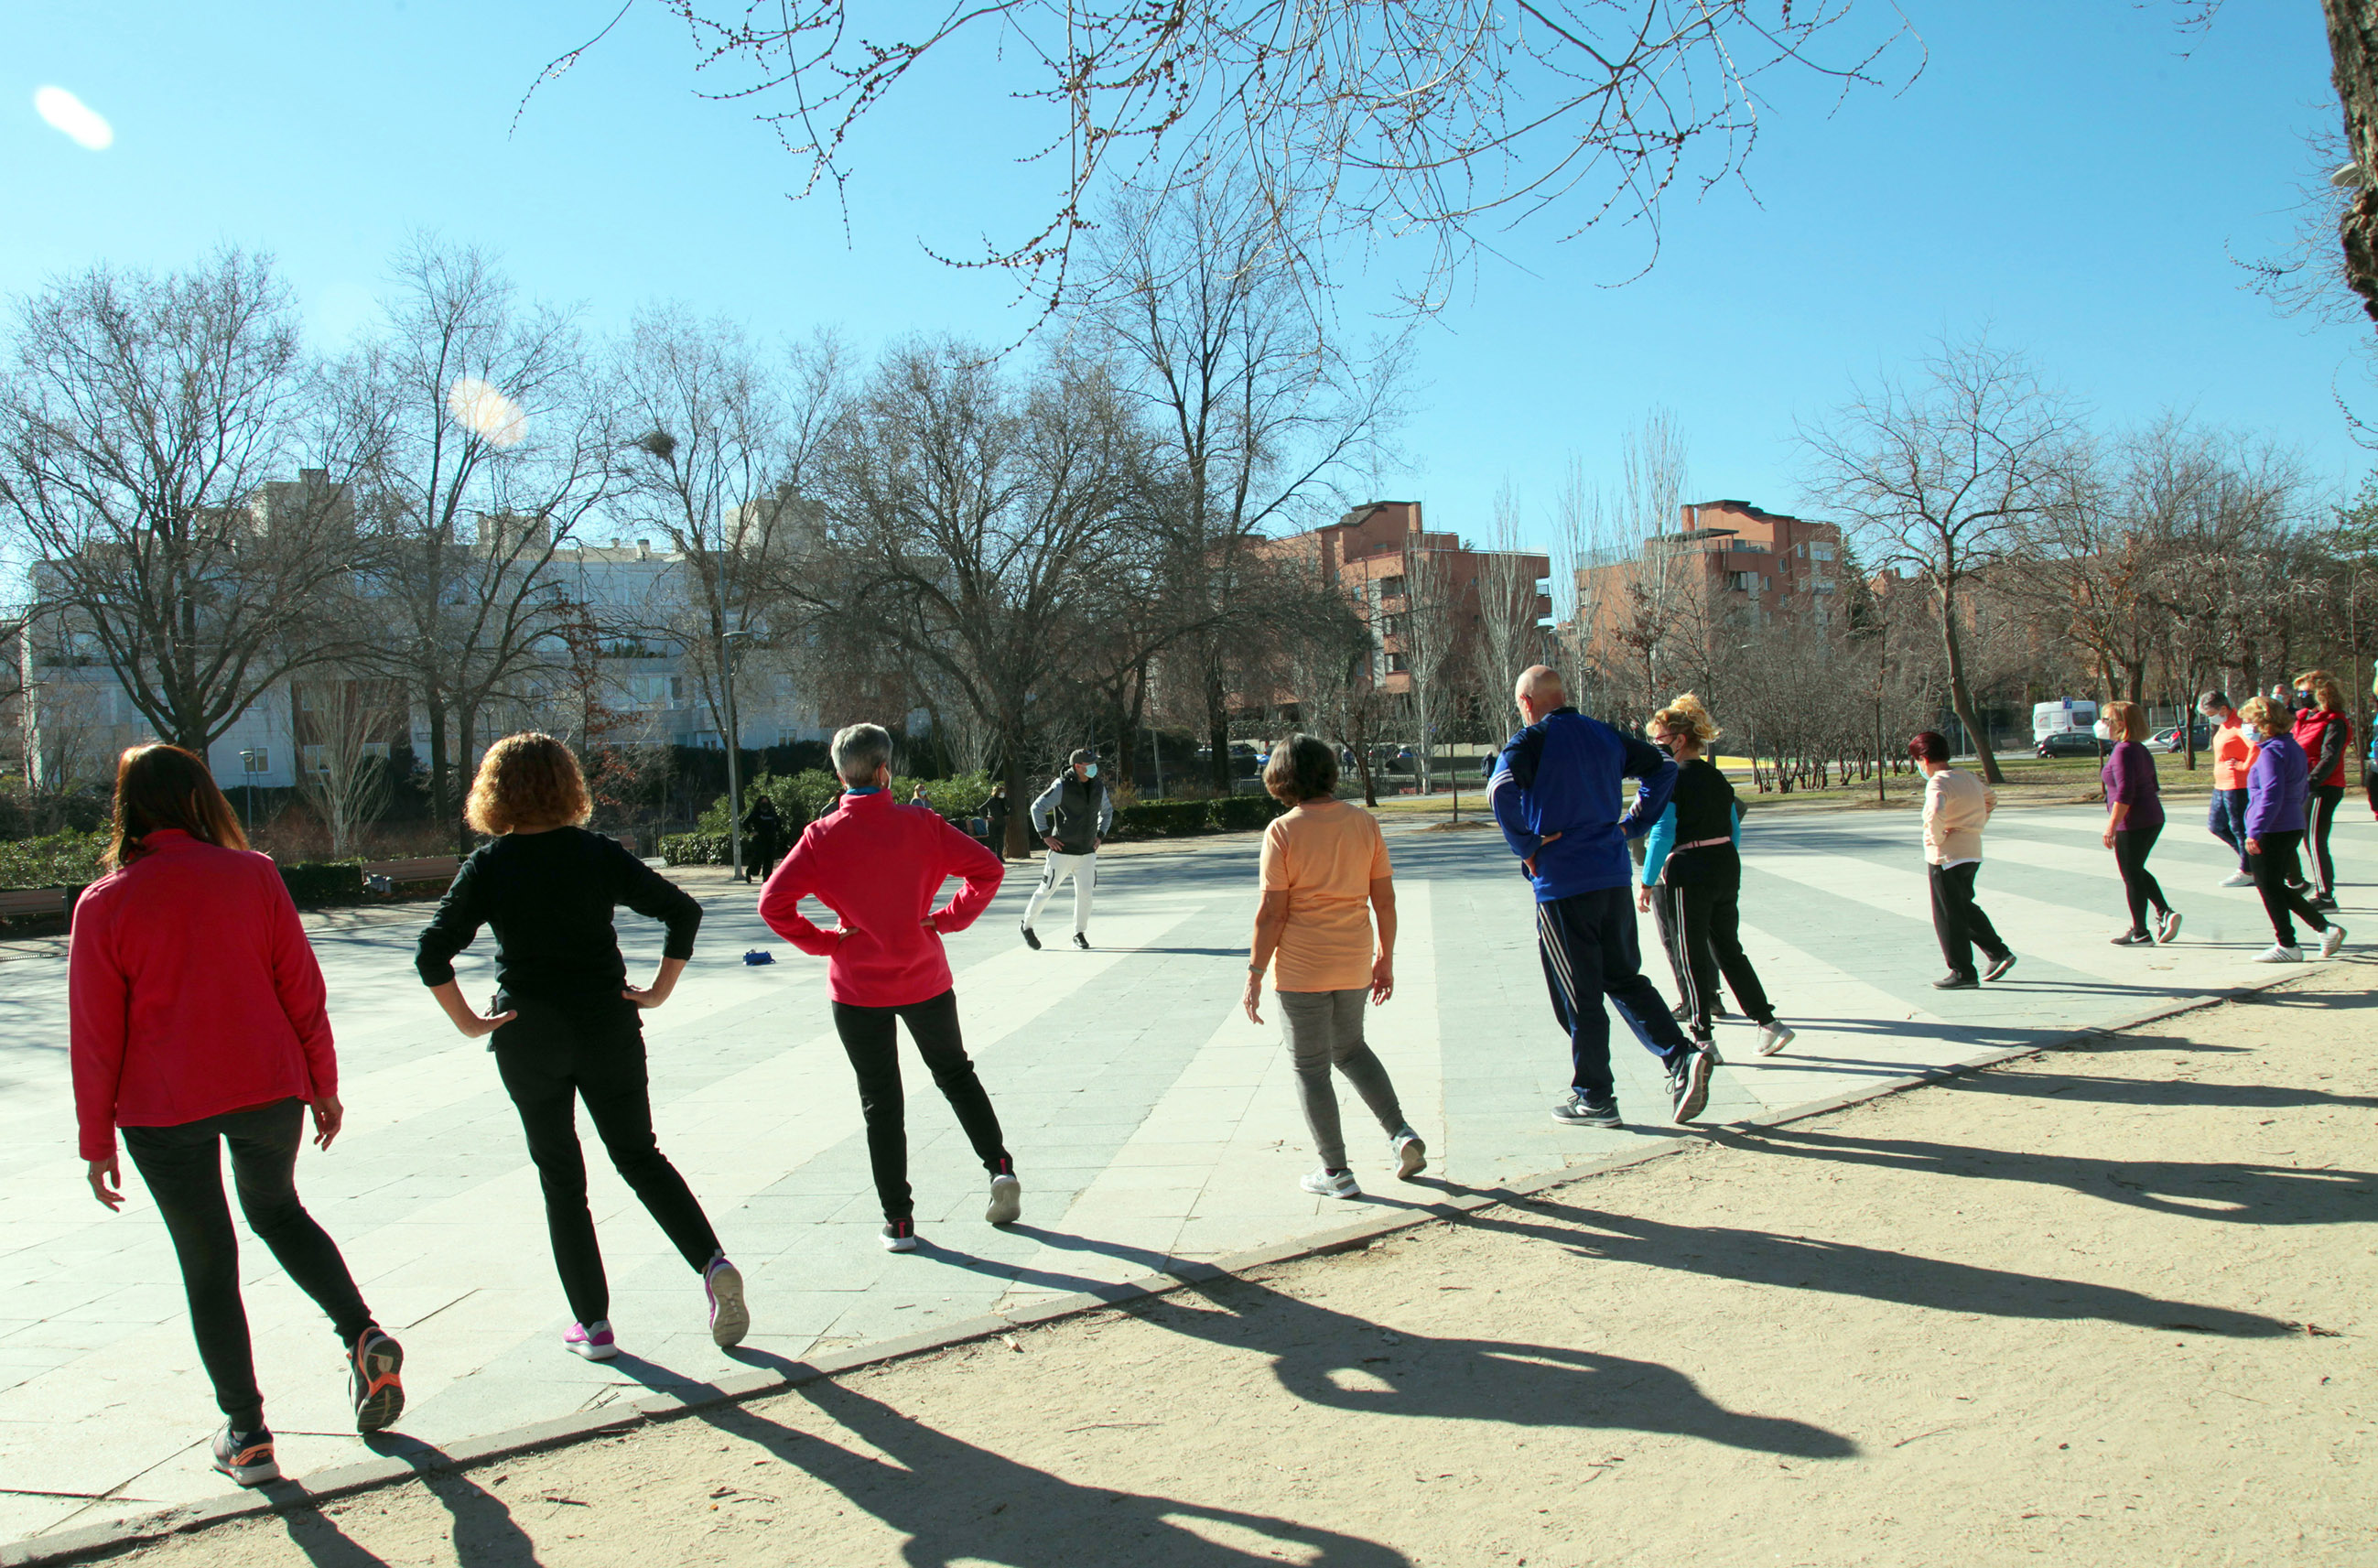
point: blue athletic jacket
(1561, 774)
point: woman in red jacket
(198, 1019)
(2327, 737)
(879, 865)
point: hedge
(62, 860)
(312, 887)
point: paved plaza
(1147, 1116)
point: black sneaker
(1957, 982)
(2133, 939)
(1688, 1084)
(899, 1235)
(373, 1382)
(1081, 941)
(245, 1457)
(1579, 1110)
(1030, 940)
(2324, 902)
(1999, 966)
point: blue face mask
(2254, 733)
(1089, 770)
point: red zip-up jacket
(192, 990)
(878, 866)
(2325, 735)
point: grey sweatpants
(1324, 1030)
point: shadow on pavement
(485, 1534)
(1327, 1357)
(957, 1502)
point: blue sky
(2076, 175)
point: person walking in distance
(879, 865)
(566, 1025)
(1956, 807)
(1551, 792)
(2133, 818)
(1326, 878)
(1071, 818)
(766, 830)
(993, 812)
(2232, 755)
(2278, 790)
(195, 1021)
(1693, 855)
(2325, 734)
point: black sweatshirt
(549, 897)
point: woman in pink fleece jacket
(879, 865)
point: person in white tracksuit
(1071, 818)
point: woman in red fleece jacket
(196, 1018)
(879, 865)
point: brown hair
(1301, 768)
(1687, 715)
(2325, 689)
(165, 787)
(530, 781)
(2125, 722)
(1930, 747)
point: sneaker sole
(1412, 1160)
(1769, 1048)
(383, 1397)
(1589, 1121)
(1031, 941)
(251, 1474)
(730, 1319)
(2168, 932)
(1006, 1203)
(592, 1352)
(1695, 1099)
(900, 1244)
(1330, 1191)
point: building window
(1742, 582)
(1820, 551)
(1823, 585)
(1395, 664)
(1391, 587)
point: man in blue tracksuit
(1556, 794)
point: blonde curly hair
(530, 781)
(1685, 712)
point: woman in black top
(765, 829)
(1701, 878)
(567, 1024)
(993, 812)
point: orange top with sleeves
(1324, 855)
(2232, 755)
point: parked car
(2168, 739)
(2071, 743)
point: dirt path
(2111, 1306)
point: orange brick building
(1727, 559)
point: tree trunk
(1218, 730)
(1019, 798)
(466, 724)
(1961, 701)
(2353, 57)
(441, 768)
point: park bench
(17, 902)
(386, 876)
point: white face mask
(2254, 733)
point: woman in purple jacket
(2134, 812)
(2277, 788)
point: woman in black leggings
(567, 1024)
(2134, 820)
(2326, 736)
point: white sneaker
(2331, 940)
(1006, 1201)
(2168, 926)
(1773, 1036)
(1325, 1185)
(2237, 879)
(1411, 1154)
(2275, 954)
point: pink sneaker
(593, 1340)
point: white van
(2066, 713)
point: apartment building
(1729, 560)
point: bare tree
(500, 442)
(1432, 628)
(1510, 632)
(141, 432)
(1255, 410)
(344, 725)
(1941, 476)
(968, 524)
(1349, 121)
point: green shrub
(1159, 819)
(694, 848)
(61, 860)
(322, 884)
(1238, 814)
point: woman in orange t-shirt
(1324, 875)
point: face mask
(2303, 701)
(2254, 733)
(1089, 770)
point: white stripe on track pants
(1084, 870)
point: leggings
(2273, 869)
(2324, 799)
(1704, 930)
(2131, 846)
(870, 1041)
(550, 1060)
(1325, 1030)
(184, 1174)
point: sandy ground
(2107, 1306)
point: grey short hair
(858, 750)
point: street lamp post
(726, 642)
(251, 762)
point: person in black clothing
(1694, 866)
(993, 812)
(765, 831)
(566, 1023)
